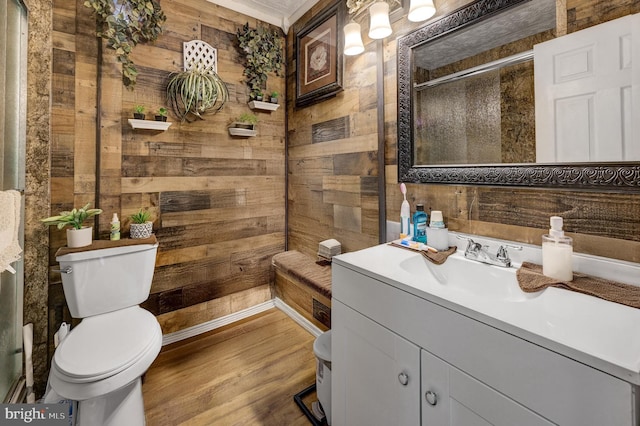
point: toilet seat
(104, 345)
(73, 381)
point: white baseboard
(216, 323)
(294, 315)
(237, 316)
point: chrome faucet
(476, 251)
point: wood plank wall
(333, 175)
(218, 202)
(321, 194)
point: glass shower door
(13, 48)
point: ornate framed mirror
(434, 59)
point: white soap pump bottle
(405, 214)
(557, 252)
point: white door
(375, 373)
(588, 94)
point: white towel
(10, 213)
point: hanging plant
(196, 92)
(124, 24)
(263, 53)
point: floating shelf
(149, 124)
(246, 133)
(266, 106)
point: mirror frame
(616, 177)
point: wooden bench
(304, 285)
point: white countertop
(602, 334)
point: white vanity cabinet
(376, 365)
(401, 358)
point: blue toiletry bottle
(420, 224)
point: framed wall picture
(319, 46)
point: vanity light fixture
(352, 40)
(421, 10)
(380, 26)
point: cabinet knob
(431, 397)
(403, 378)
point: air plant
(196, 92)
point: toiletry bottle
(437, 221)
(420, 224)
(557, 251)
(405, 214)
(115, 228)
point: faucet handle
(502, 251)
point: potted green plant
(259, 96)
(138, 112)
(77, 235)
(244, 125)
(263, 49)
(161, 115)
(246, 120)
(141, 226)
(195, 92)
(124, 24)
(274, 97)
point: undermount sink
(478, 279)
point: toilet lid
(103, 345)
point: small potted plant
(141, 226)
(274, 97)
(259, 96)
(138, 112)
(77, 235)
(162, 114)
(244, 125)
(246, 120)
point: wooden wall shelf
(149, 124)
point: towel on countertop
(10, 213)
(531, 279)
(438, 258)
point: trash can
(322, 350)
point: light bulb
(352, 40)
(380, 26)
(421, 10)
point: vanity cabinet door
(375, 373)
(452, 398)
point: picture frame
(319, 56)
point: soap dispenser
(557, 252)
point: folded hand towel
(531, 279)
(10, 213)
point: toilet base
(124, 406)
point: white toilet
(101, 361)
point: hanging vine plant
(124, 24)
(195, 92)
(264, 54)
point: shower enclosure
(13, 81)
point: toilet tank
(105, 280)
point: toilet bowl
(100, 362)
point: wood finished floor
(242, 374)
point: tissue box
(329, 248)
